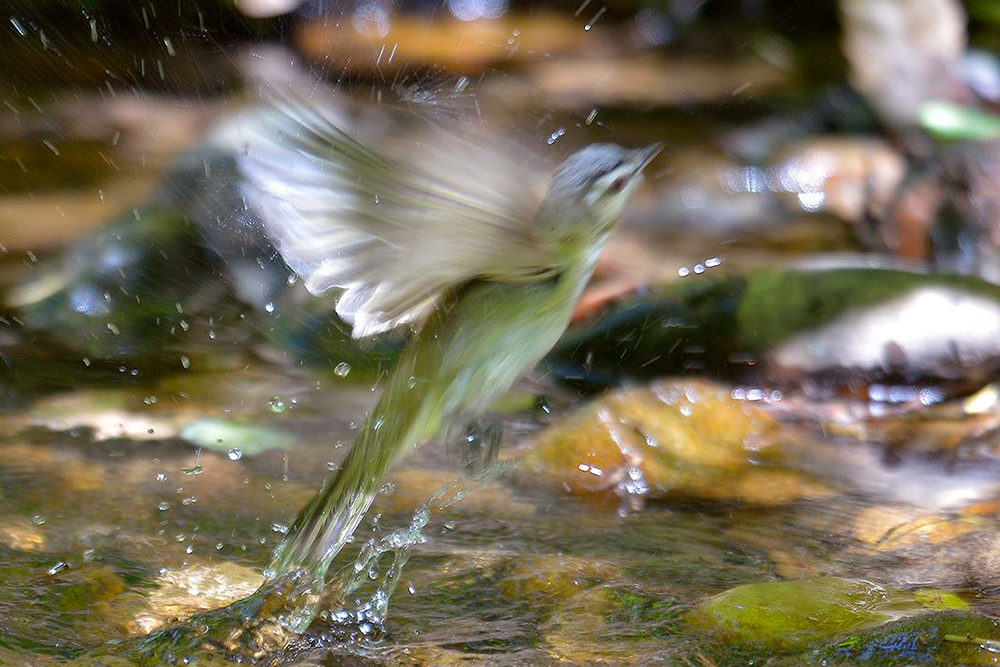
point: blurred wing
(394, 234)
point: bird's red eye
(619, 184)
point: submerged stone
(201, 587)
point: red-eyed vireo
(448, 233)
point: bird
(452, 234)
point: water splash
(363, 618)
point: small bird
(450, 234)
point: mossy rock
(552, 578)
(788, 615)
(942, 639)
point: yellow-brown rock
(679, 438)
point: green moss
(942, 638)
(785, 615)
(779, 303)
(642, 615)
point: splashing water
(366, 617)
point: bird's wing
(394, 231)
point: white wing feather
(394, 233)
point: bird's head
(589, 191)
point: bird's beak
(645, 155)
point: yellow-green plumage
(453, 244)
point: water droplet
(185, 362)
(342, 369)
(194, 470)
(86, 362)
(189, 549)
(555, 136)
(160, 477)
(38, 519)
(684, 272)
(58, 567)
(292, 279)
(276, 405)
(279, 528)
(113, 329)
(184, 325)
(164, 506)
(412, 382)
(269, 307)
(190, 500)
(712, 262)
(235, 454)
(149, 400)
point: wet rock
(224, 436)
(831, 325)
(105, 413)
(21, 535)
(969, 561)
(552, 578)
(948, 214)
(119, 306)
(67, 472)
(817, 178)
(644, 80)
(904, 52)
(408, 489)
(678, 439)
(853, 178)
(793, 614)
(886, 528)
(447, 42)
(186, 591)
(940, 639)
(617, 627)
(711, 194)
(84, 587)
